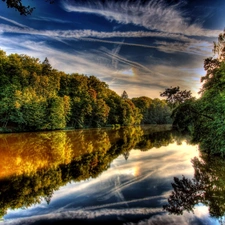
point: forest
(204, 117)
(34, 96)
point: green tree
(154, 111)
(205, 116)
(55, 117)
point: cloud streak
(153, 15)
(184, 44)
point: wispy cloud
(153, 15)
(13, 22)
(87, 33)
(195, 47)
(191, 46)
(51, 19)
(108, 64)
(182, 44)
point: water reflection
(207, 187)
(34, 166)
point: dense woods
(35, 96)
(205, 117)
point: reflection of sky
(130, 189)
(157, 39)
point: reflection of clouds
(85, 214)
(159, 219)
(167, 219)
(163, 164)
(157, 163)
(153, 168)
(140, 200)
(186, 219)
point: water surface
(92, 176)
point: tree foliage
(205, 116)
(154, 111)
(206, 187)
(174, 96)
(19, 6)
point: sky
(141, 46)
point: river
(107, 176)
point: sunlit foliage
(35, 96)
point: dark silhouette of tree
(187, 193)
(20, 7)
(207, 187)
(175, 95)
(124, 95)
(126, 155)
(46, 67)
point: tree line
(35, 96)
(204, 117)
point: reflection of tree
(56, 158)
(126, 155)
(207, 187)
(158, 136)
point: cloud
(144, 78)
(51, 19)
(149, 77)
(153, 15)
(13, 22)
(182, 44)
(195, 47)
(86, 33)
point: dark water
(105, 176)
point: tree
(211, 64)
(46, 67)
(55, 117)
(205, 117)
(207, 187)
(175, 96)
(20, 7)
(124, 95)
(154, 111)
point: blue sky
(140, 46)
